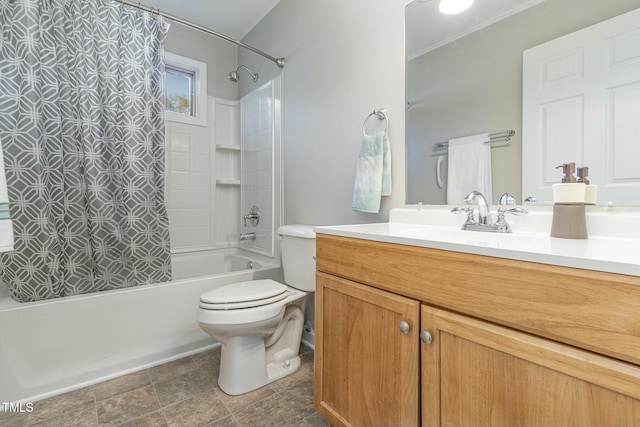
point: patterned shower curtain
(82, 125)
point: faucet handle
(501, 222)
(507, 199)
(516, 211)
(458, 209)
(469, 211)
(513, 211)
(253, 216)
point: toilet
(259, 322)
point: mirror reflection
(464, 77)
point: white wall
(344, 58)
(219, 55)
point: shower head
(234, 76)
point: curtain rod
(279, 61)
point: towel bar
(494, 137)
(381, 114)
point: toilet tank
(298, 256)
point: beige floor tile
(315, 420)
(299, 397)
(54, 406)
(267, 412)
(172, 369)
(235, 403)
(180, 393)
(229, 421)
(81, 415)
(210, 375)
(127, 406)
(13, 419)
(199, 410)
(297, 377)
(154, 419)
(121, 385)
(182, 387)
(287, 410)
(209, 360)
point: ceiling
(234, 18)
(427, 28)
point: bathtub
(50, 347)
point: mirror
(468, 80)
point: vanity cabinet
(476, 373)
(511, 342)
(372, 366)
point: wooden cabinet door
(476, 373)
(367, 369)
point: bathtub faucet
(247, 236)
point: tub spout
(247, 236)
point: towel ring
(381, 114)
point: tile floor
(179, 393)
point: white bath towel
(6, 227)
(469, 168)
(373, 173)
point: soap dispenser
(591, 192)
(568, 169)
(569, 216)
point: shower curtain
(82, 126)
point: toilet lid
(248, 294)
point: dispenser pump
(583, 172)
(568, 170)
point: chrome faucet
(247, 236)
(477, 198)
(501, 225)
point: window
(180, 96)
(185, 90)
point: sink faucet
(477, 198)
(500, 226)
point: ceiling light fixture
(451, 7)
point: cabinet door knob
(404, 327)
(425, 337)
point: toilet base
(249, 362)
(243, 368)
(275, 371)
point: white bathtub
(50, 347)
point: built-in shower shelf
(227, 181)
(228, 147)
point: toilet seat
(254, 293)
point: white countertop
(610, 254)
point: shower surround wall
(261, 125)
(203, 185)
(226, 137)
(189, 189)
